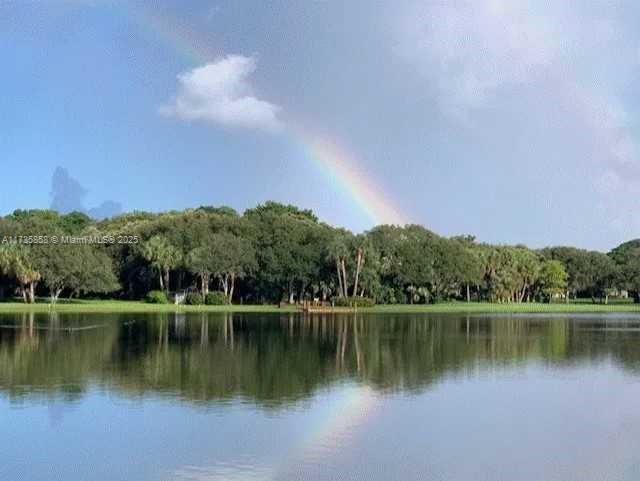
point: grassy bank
(486, 307)
(84, 306)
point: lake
(348, 397)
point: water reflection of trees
(273, 359)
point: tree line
(275, 253)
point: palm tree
(337, 253)
(28, 279)
(14, 261)
(5, 260)
(163, 256)
(5, 264)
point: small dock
(311, 307)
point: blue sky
(513, 121)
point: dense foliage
(157, 297)
(353, 302)
(215, 298)
(274, 253)
(194, 299)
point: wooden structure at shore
(313, 307)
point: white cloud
(574, 61)
(220, 92)
(471, 49)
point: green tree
(201, 261)
(470, 265)
(407, 259)
(290, 250)
(553, 279)
(627, 258)
(24, 270)
(338, 254)
(163, 256)
(57, 265)
(95, 273)
(232, 258)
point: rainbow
(344, 172)
(178, 37)
(354, 407)
(351, 408)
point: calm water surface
(286, 397)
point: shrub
(215, 298)
(193, 299)
(157, 297)
(387, 295)
(353, 302)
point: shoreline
(111, 306)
